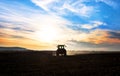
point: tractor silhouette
(61, 51)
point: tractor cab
(61, 51)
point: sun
(47, 34)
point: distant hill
(13, 49)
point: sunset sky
(43, 24)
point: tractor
(61, 51)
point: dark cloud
(4, 35)
(21, 29)
(114, 35)
(1, 26)
(1, 34)
(15, 36)
(85, 44)
(107, 46)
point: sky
(43, 24)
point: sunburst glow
(47, 34)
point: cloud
(98, 36)
(23, 42)
(63, 7)
(79, 8)
(92, 25)
(114, 34)
(42, 3)
(111, 3)
(98, 39)
(4, 35)
(95, 47)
